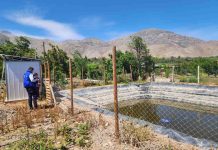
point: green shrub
(123, 79)
(183, 79)
(82, 138)
(66, 131)
(191, 79)
(37, 142)
(167, 72)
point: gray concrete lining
(97, 98)
(195, 94)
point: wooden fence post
(105, 81)
(131, 75)
(71, 86)
(49, 73)
(198, 74)
(41, 81)
(43, 46)
(173, 68)
(117, 135)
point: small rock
(107, 124)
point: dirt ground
(85, 129)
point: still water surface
(199, 124)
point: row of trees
(185, 66)
(135, 63)
(21, 48)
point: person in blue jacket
(28, 81)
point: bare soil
(15, 128)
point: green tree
(145, 61)
(21, 48)
(58, 61)
(80, 64)
(94, 70)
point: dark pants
(32, 98)
(36, 92)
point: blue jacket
(26, 80)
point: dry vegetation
(52, 128)
(45, 128)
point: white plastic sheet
(14, 78)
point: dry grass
(135, 135)
(23, 117)
(145, 138)
(209, 81)
(62, 130)
(3, 92)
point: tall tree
(80, 63)
(20, 48)
(145, 61)
(58, 60)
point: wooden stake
(198, 74)
(71, 86)
(82, 73)
(53, 95)
(41, 82)
(105, 82)
(49, 73)
(131, 75)
(115, 95)
(173, 68)
(43, 46)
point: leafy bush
(65, 131)
(37, 142)
(190, 79)
(123, 79)
(82, 138)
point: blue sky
(108, 19)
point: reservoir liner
(206, 91)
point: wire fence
(180, 111)
(186, 113)
(182, 74)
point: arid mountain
(3, 37)
(161, 44)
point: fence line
(168, 109)
(71, 86)
(115, 95)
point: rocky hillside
(161, 44)
(3, 38)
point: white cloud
(95, 22)
(205, 33)
(55, 30)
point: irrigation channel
(186, 113)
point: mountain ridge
(161, 43)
